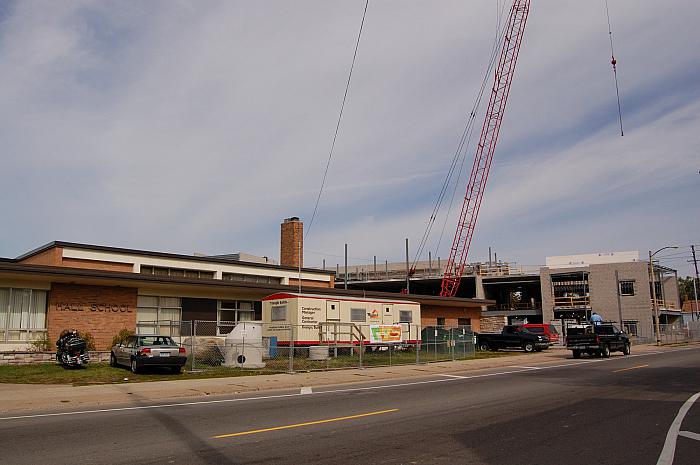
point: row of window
(203, 274)
(22, 314)
(163, 314)
(251, 278)
(176, 272)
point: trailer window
(405, 316)
(358, 314)
(279, 313)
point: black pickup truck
(599, 340)
(512, 337)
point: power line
(337, 126)
(464, 142)
(613, 62)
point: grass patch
(102, 373)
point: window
(176, 272)
(536, 330)
(626, 287)
(630, 327)
(441, 321)
(231, 312)
(22, 314)
(406, 316)
(158, 314)
(279, 313)
(250, 278)
(358, 315)
(464, 321)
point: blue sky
(198, 126)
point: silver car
(142, 351)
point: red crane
(503, 78)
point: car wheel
(576, 353)
(177, 369)
(626, 349)
(605, 351)
(484, 347)
(134, 366)
(529, 347)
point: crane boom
(503, 78)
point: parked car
(512, 337)
(599, 339)
(548, 330)
(142, 351)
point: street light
(653, 291)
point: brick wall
(54, 257)
(291, 239)
(430, 314)
(100, 310)
(493, 324)
(50, 257)
(310, 283)
(97, 265)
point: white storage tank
(244, 346)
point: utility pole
(375, 267)
(695, 286)
(408, 272)
(345, 273)
(655, 304)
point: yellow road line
(308, 423)
(631, 368)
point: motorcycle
(71, 350)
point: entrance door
(332, 310)
(388, 315)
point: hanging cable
(463, 144)
(613, 62)
(337, 126)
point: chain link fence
(668, 333)
(282, 348)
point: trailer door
(388, 314)
(332, 310)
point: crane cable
(464, 142)
(613, 62)
(337, 126)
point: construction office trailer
(312, 319)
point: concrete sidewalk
(27, 398)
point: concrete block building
(615, 285)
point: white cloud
(177, 126)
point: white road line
(669, 450)
(690, 435)
(450, 376)
(332, 391)
(527, 368)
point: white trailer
(315, 319)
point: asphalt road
(588, 411)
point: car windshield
(553, 329)
(156, 341)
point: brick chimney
(292, 238)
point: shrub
(121, 336)
(89, 340)
(41, 344)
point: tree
(685, 289)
